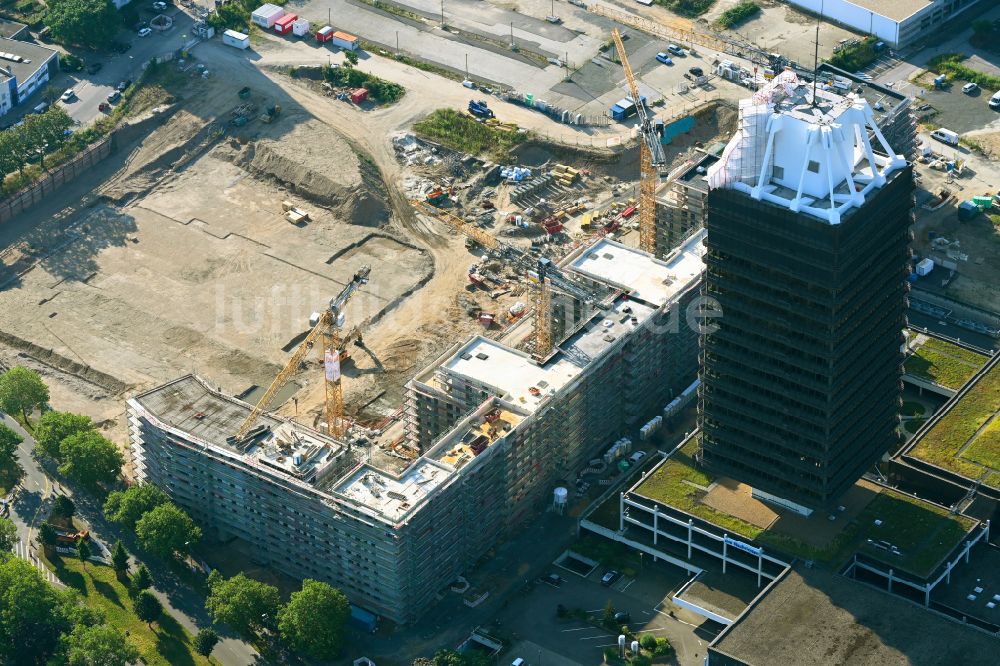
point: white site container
(344, 40)
(266, 15)
(301, 27)
(925, 266)
(237, 39)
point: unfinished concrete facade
(497, 429)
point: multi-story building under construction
(496, 428)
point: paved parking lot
(531, 619)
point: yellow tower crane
(328, 326)
(651, 155)
(542, 271)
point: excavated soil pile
(317, 164)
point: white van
(945, 136)
(517, 662)
(995, 101)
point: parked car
(94, 68)
(114, 96)
(555, 580)
(122, 47)
(622, 617)
(610, 577)
(41, 108)
(68, 95)
(697, 71)
(145, 32)
(123, 86)
(970, 88)
(664, 58)
(159, 6)
(676, 50)
(637, 456)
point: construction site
(296, 309)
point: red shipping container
(325, 34)
(284, 24)
(628, 212)
(359, 95)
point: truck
(479, 109)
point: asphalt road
(921, 321)
(92, 89)
(30, 509)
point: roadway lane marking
(579, 629)
(628, 585)
(595, 638)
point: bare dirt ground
(179, 259)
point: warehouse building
(24, 68)
(808, 222)
(497, 430)
(898, 23)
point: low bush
(460, 132)
(950, 64)
(689, 8)
(856, 55)
(380, 90)
(733, 16)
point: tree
(352, 57)
(99, 645)
(63, 507)
(241, 602)
(9, 440)
(147, 608)
(312, 622)
(128, 506)
(167, 530)
(119, 558)
(22, 391)
(982, 27)
(8, 535)
(86, 22)
(47, 536)
(84, 551)
(205, 641)
(46, 132)
(142, 580)
(89, 458)
(648, 642)
(53, 427)
(609, 614)
(33, 614)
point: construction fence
(54, 179)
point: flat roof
(645, 277)
(510, 372)
(10, 29)
(35, 57)
(897, 10)
(811, 617)
(393, 497)
(188, 404)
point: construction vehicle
(270, 113)
(328, 326)
(651, 156)
(479, 109)
(542, 272)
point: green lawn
(944, 363)
(167, 644)
(460, 132)
(912, 409)
(923, 533)
(913, 425)
(942, 443)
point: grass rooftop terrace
(944, 363)
(966, 440)
(925, 534)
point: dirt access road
(430, 320)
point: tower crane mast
(543, 271)
(327, 327)
(651, 156)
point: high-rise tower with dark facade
(809, 216)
